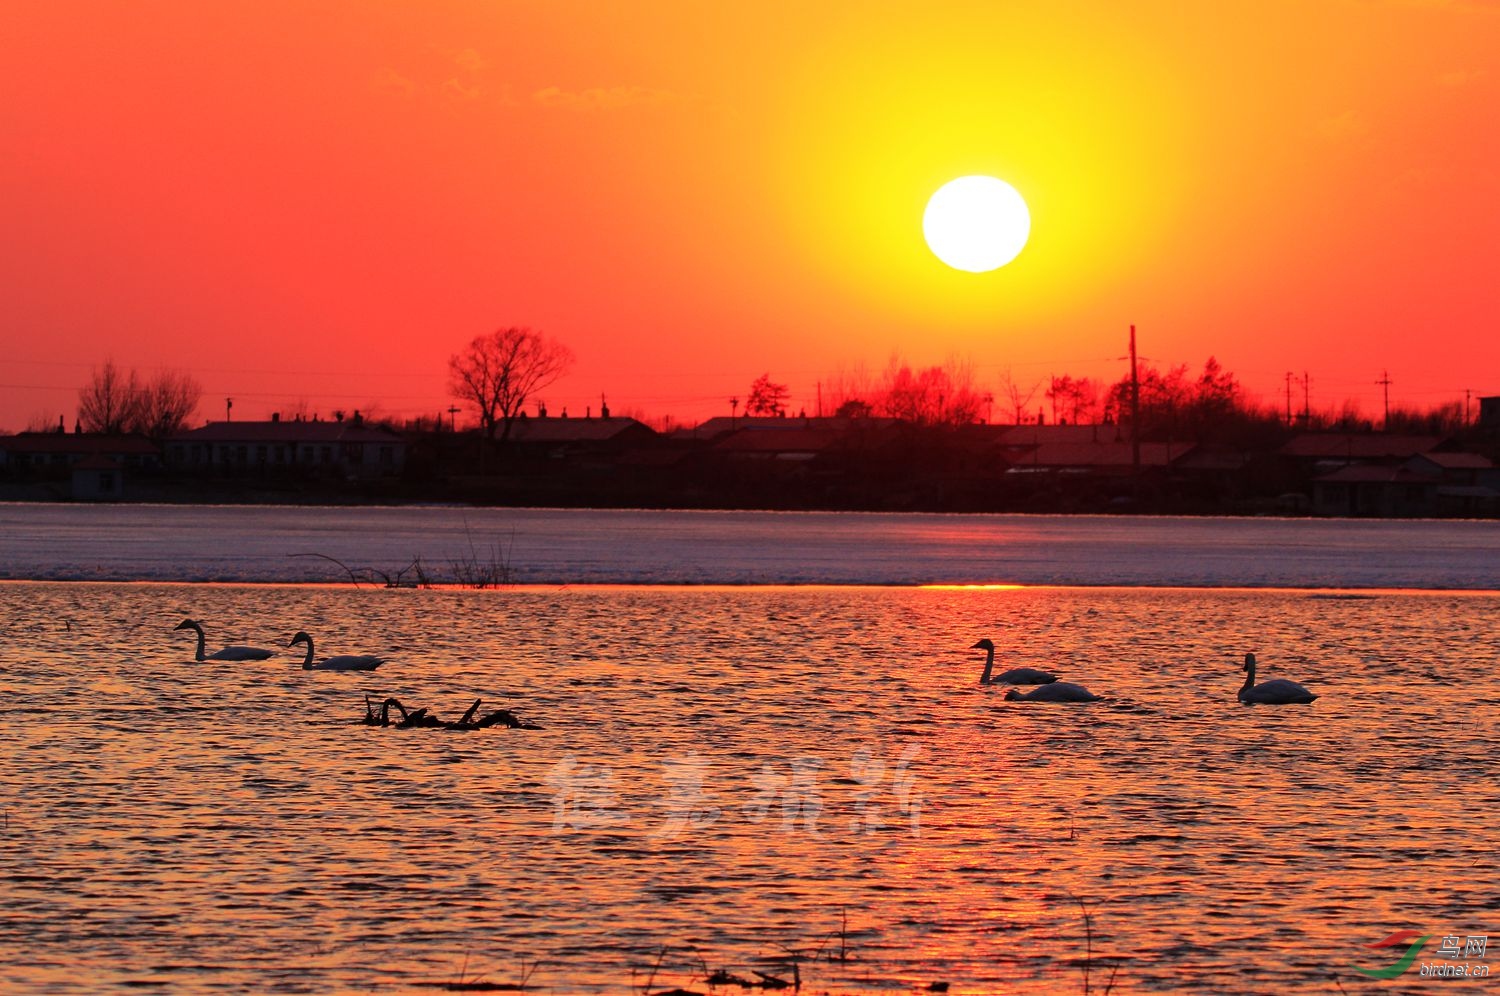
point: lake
(756, 779)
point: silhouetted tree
(1217, 398)
(499, 371)
(166, 403)
(1074, 399)
(766, 398)
(854, 408)
(1018, 398)
(934, 396)
(1441, 419)
(1165, 398)
(44, 421)
(110, 401)
(114, 401)
(850, 393)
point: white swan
(1015, 676)
(228, 653)
(1058, 691)
(1277, 691)
(346, 662)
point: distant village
(845, 462)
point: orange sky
(319, 203)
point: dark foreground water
(744, 779)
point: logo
(1404, 962)
(1451, 946)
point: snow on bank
(293, 544)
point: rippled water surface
(726, 778)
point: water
(727, 775)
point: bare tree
(766, 398)
(933, 396)
(1017, 397)
(850, 394)
(44, 421)
(499, 371)
(1074, 399)
(110, 401)
(854, 408)
(165, 404)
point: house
(1321, 452)
(721, 426)
(98, 478)
(41, 455)
(777, 444)
(1467, 483)
(560, 438)
(1457, 468)
(1425, 484)
(1378, 490)
(347, 447)
(1028, 434)
(1489, 412)
(1104, 458)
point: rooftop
(288, 431)
(1358, 445)
(550, 429)
(76, 442)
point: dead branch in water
(374, 575)
(354, 577)
(481, 570)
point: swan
(1015, 676)
(498, 717)
(347, 662)
(1058, 691)
(421, 718)
(409, 718)
(1277, 691)
(228, 653)
(373, 718)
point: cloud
(1345, 126)
(390, 81)
(446, 73)
(605, 98)
(1489, 5)
(469, 60)
(1462, 77)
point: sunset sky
(317, 203)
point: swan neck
(1249, 677)
(307, 661)
(989, 665)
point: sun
(976, 223)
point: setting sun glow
(976, 223)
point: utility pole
(228, 407)
(1467, 393)
(1306, 405)
(452, 418)
(734, 407)
(1135, 413)
(1385, 382)
(1289, 398)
